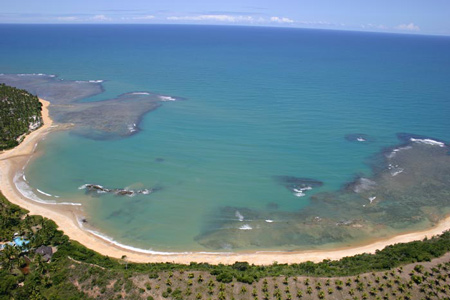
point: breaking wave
(26, 191)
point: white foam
(269, 221)
(132, 127)
(396, 150)
(239, 216)
(43, 193)
(26, 191)
(35, 74)
(131, 248)
(245, 227)
(140, 93)
(167, 98)
(89, 81)
(364, 184)
(360, 139)
(145, 192)
(397, 171)
(139, 250)
(428, 142)
(299, 194)
(24, 178)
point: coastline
(65, 217)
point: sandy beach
(13, 160)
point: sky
(397, 16)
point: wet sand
(14, 160)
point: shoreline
(13, 160)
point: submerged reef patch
(409, 190)
(98, 189)
(298, 186)
(106, 119)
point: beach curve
(12, 161)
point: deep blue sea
(262, 111)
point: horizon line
(239, 25)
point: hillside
(416, 270)
(20, 113)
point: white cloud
(281, 20)
(408, 27)
(100, 18)
(219, 18)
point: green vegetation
(20, 113)
(401, 271)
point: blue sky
(413, 16)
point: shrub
(224, 277)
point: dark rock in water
(96, 188)
(124, 192)
(298, 185)
(120, 192)
(299, 181)
(357, 137)
(159, 159)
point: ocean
(226, 138)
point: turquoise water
(259, 103)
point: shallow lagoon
(253, 107)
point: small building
(45, 251)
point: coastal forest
(48, 265)
(20, 113)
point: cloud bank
(408, 27)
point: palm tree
(9, 257)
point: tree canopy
(20, 113)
